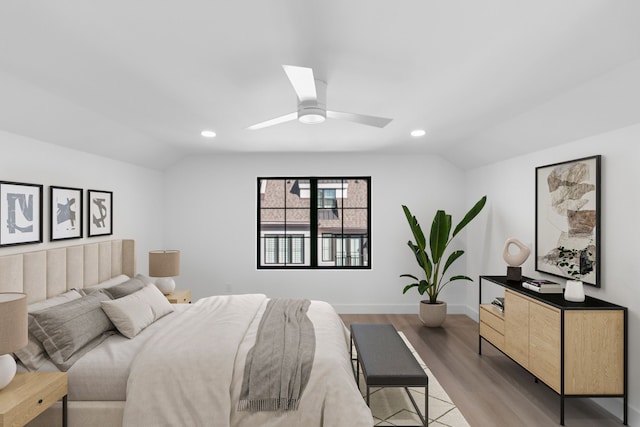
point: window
(284, 249)
(309, 222)
(327, 198)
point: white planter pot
(574, 291)
(432, 315)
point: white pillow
(133, 313)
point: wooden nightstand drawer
(181, 296)
(30, 394)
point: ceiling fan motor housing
(313, 111)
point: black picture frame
(20, 213)
(99, 213)
(65, 213)
(568, 228)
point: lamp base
(166, 285)
(7, 370)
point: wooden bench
(386, 361)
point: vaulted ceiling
(139, 80)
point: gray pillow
(33, 355)
(69, 330)
(125, 288)
(145, 279)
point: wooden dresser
(577, 349)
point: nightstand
(179, 296)
(30, 394)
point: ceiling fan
(312, 103)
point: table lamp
(165, 265)
(13, 332)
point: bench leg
(368, 396)
(426, 405)
(424, 418)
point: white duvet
(190, 373)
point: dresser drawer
(492, 336)
(30, 394)
(492, 317)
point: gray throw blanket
(279, 364)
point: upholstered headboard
(46, 273)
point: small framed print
(100, 213)
(65, 213)
(20, 213)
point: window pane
(269, 216)
(327, 247)
(297, 193)
(270, 245)
(297, 249)
(355, 220)
(272, 192)
(355, 193)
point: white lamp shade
(13, 333)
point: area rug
(392, 407)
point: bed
(186, 367)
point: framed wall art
(100, 213)
(65, 213)
(20, 213)
(568, 219)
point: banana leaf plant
(431, 259)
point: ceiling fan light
(311, 115)
(311, 118)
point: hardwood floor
(489, 389)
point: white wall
(510, 187)
(211, 218)
(137, 192)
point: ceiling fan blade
(378, 122)
(302, 80)
(276, 121)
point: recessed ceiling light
(418, 133)
(208, 133)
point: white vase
(574, 291)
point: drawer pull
(40, 402)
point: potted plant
(432, 260)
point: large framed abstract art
(20, 213)
(65, 213)
(100, 214)
(568, 219)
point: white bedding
(108, 365)
(190, 373)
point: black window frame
(315, 239)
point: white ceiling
(138, 80)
